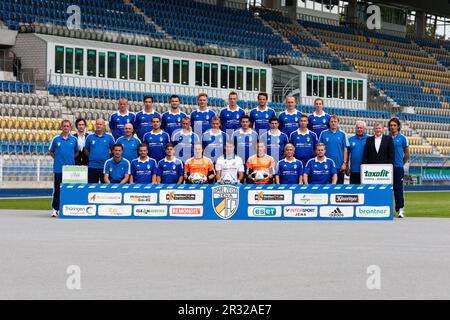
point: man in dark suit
(379, 149)
(81, 136)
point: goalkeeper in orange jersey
(199, 169)
(260, 167)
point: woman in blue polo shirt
(63, 149)
(401, 147)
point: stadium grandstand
(53, 69)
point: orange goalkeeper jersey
(203, 166)
(266, 164)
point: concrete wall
(33, 53)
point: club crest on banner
(225, 201)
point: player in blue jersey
(289, 170)
(118, 120)
(260, 117)
(245, 140)
(290, 119)
(170, 169)
(184, 140)
(304, 141)
(98, 149)
(275, 140)
(202, 117)
(231, 116)
(130, 143)
(117, 169)
(320, 170)
(156, 140)
(336, 143)
(356, 152)
(144, 119)
(319, 121)
(63, 149)
(144, 168)
(214, 141)
(171, 120)
(401, 157)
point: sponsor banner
(354, 199)
(79, 211)
(140, 198)
(225, 201)
(336, 212)
(301, 212)
(311, 199)
(373, 212)
(150, 211)
(186, 212)
(264, 212)
(75, 174)
(181, 196)
(105, 198)
(114, 211)
(270, 197)
(377, 174)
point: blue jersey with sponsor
(214, 144)
(184, 144)
(261, 119)
(400, 144)
(64, 151)
(99, 149)
(170, 171)
(289, 171)
(201, 121)
(130, 147)
(275, 144)
(156, 144)
(143, 171)
(116, 170)
(356, 151)
(231, 119)
(143, 123)
(305, 145)
(336, 143)
(171, 122)
(320, 172)
(318, 124)
(245, 143)
(289, 122)
(117, 123)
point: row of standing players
(309, 138)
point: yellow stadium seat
(3, 136)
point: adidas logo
(337, 213)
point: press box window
(224, 77)
(206, 74)
(249, 79)
(69, 60)
(315, 86)
(355, 89)
(240, 78)
(165, 70)
(59, 59)
(141, 68)
(341, 88)
(132, 67)
(198, 74)
(256, 80)
(112, 65)
(329, 87)
(360, 90)
(349, 89)
(176, 71)
(101, 64)
(92, 63)
(263, 80)
(79, 57)
(335, 88)
(156, 74)
(321, 86)
(214, 75)
(123, 66)
(232, 83)
(185, 72)
(309, 85)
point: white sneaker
(55, 213)
(401, 213)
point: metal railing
(26, 169)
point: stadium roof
(436, 7)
